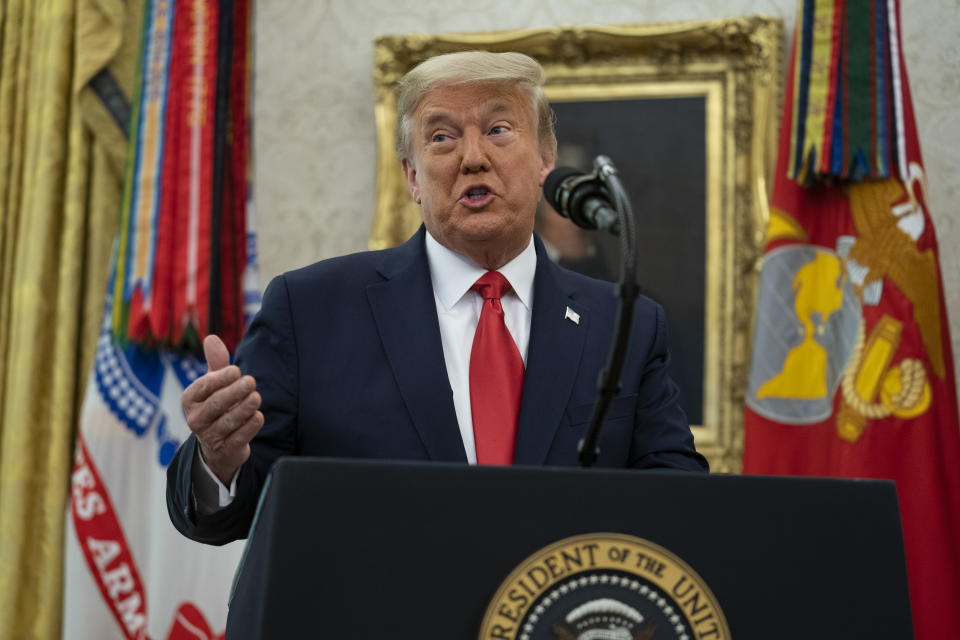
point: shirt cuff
(209, 493)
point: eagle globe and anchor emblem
(604, 586)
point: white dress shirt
(458, 311)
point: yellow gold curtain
(66, 70)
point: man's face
(476, 169)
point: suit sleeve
(268, 353)
(661, 435)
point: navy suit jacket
(349, 363)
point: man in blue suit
(405, 353)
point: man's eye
(439, 137)
(497, 130)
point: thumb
(215, 352)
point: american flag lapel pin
(572, 316)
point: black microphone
(582, 198)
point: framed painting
(688, 114)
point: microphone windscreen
(552, 185)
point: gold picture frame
(730, 66)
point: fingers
(225, 441)
(215, 352)
(229, 445)
(225, 456)
(240, 437)
(229, 405)
(210, 383)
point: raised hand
(222, 408)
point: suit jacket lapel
(556, 343)
(405, 311)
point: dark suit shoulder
(353, 272)
(349, 270)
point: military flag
(184, 265)
(852, 372)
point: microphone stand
(627, 290)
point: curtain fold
(61, 160)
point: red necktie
(496, 377)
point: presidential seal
(603, 586)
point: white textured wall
(315, 134)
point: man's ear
(410, 173)
(548, 160)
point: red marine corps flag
(852, 371)
(183, 266)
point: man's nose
(474, 153)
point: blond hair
(515, 70)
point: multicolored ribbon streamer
(846, 125)
(183, 237)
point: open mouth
(477, 196)
(477, 193)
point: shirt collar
(453, 275)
